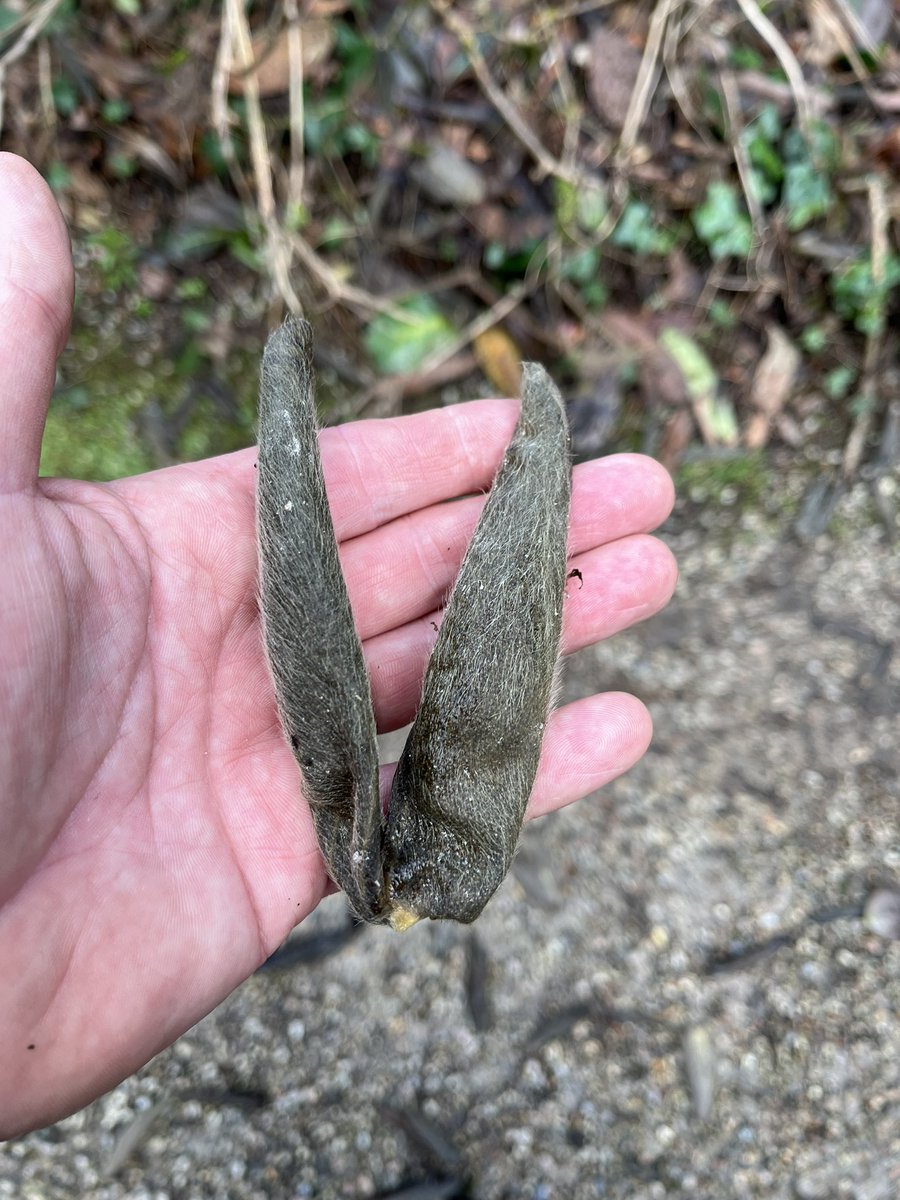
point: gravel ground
(675, 993)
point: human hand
(155, 845)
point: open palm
(155, 848)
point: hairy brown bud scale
(465, 775)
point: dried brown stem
(28, 27)
(879, 220)
(647, 78)
(295, 56)
(786, 57)
(732, 111)
(278, 249)
(548, 163)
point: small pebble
(448, 178)
(700, 1061)
(882, 913)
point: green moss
(84, 449)
(94, 428)
(91, 430)
(741, 481)
(206, 434)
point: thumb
(36, 283)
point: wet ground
(675, 993)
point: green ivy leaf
(699, 376)
(714, 413)
(400, 344)
(65, 96)
(839, 381)
(857, 296)
(637, 231)
(806, 194)
(722, 223)
(58, 176)
(591, 208)
(761, 139)
(115, 111)
(582, 265)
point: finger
(587, 744)
(404, 570)
(36, 283)
(376, 471)
(621, 583)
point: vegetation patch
(688, 212)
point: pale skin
(155, 847)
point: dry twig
(30, 24)
(647, 78)
(282, 246)
(677, 75)
(220, 112)
(430, 369)
(565, 12)
(277, 245)
(732, 103)
(337, 290)
(295, 56)
(786, 58)
(547, 162)
(487, 320)
(840, 20)
(45, 85)
(879, 219)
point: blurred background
(688, 209)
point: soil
(676, 992)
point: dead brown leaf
(868, 20)
(611, 74)
(273, 59)
(494, 222)
(886, 150)
(676, 438)
(136, 144)
(633, 330)
(771, 387)
(87, 202)
(448, 177)
(595, 402)
(326, 8)
(115, 75)
(660, 378)
(500, 359)
(839, 28)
